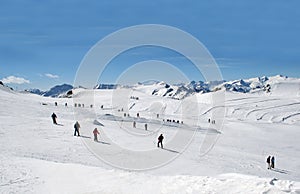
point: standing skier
(160, 139)
(96, 132)
(273, 162)
(54, 118)
(146, 126)
(134, 124)
(76, 127)
(269, 162)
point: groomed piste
(37, 156)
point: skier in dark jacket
(273, 162)
(134, 124)
(269, 162)
(76, 127)
(54, 118)
(160, 139)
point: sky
(42, 43)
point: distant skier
(76, 127)
(273, 162)
(54, 118)
(160, 140)
(134, 124)
(209, 120)
(269, 162)
(96, 132)
(146, 126)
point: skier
(273, 162)
(160, 139)
(146, 126)
(134, 124)
(54, 118)
(209, 120)
(96, 132)
(269, 162)
(76, 127)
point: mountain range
(56, 91)
(180, 91)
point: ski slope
(39, 157)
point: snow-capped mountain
(4, 86)
(263, 84)
(258, 84)
(35, 91)
(106, 86)
(56, 91)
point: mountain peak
(55, 91)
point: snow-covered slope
(39, 157)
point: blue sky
(43, 42)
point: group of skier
(174, 121)
(211, 121)
(76, 131)
(76, 127)
(271, 162)
(134, 125)
(96, 132)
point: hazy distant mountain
(35, 91)
(56, 91)
(180, 91)
(258, 84)
(106, 86)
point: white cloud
(49, 75)
(15, 80)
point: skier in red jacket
(96, 132)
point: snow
(199, 157)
